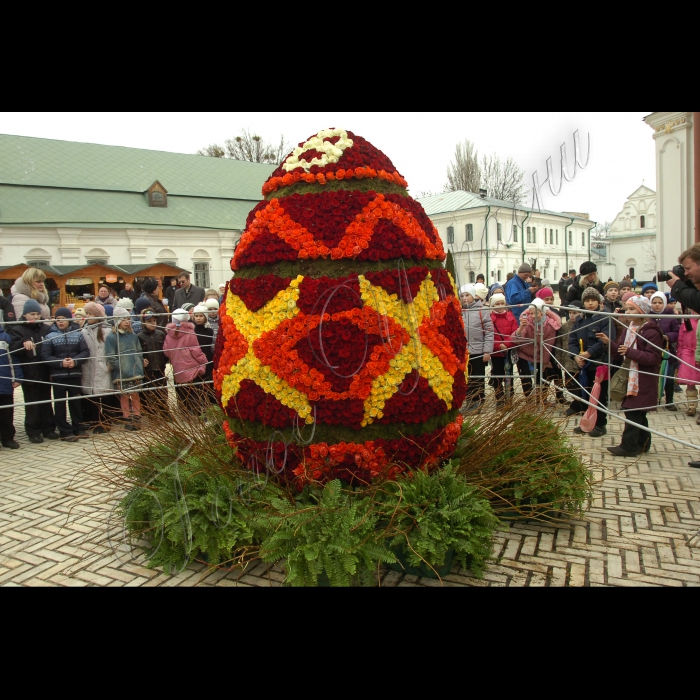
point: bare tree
(250, 147)
(503, 179)
(650, 255)
(464, 172)
(602, 230)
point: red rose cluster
(257, 292)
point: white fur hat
(497, 297)
(200, 309)
(212, 304)
(538, 304)
(481, 290)
(658, 295)
(125, 303)
(468, 289)
(180, 316)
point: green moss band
(333, 434)
(332, 269)
(364, 185)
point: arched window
(632, 273)
(472, 277)
(642, 222)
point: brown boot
(691, 393)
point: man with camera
(684, 280)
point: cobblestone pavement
(57, 528)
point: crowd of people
(93, 367)
(571, 344)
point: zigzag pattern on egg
(341, 351)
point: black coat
(62, 344)
(152, 345)
(32, 366)
(205, 337)
(687, 294)
(7, 311)
(585, 328)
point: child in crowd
(182, 349)
(152, 340)
(10, 377)
(504, 326)
(538, 323)
(97, 374)
(26, 341)
(612, 303)
(648, 289)
(553, 373)
(213, 317)
(205, 336)
(625, 286)
(125, 358)
(670, 325)
(689, 376)
(479, 331)
(566, 360)
(641, 344)
(590, 353)
(79, 316)
(65, 351)
(127, 304)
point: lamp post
(546, 265)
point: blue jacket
(59, 345)
(124, 355)
(10, 367)
(518, 292)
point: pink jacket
(182, 349)
(530, 342)
(685, 350)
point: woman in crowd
(26, 341)
(64, 350)
(97, 374)
(186, 357)
(641, 344)
(479, 331)
(105, 297)
(125, 358)
(31, 285)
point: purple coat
(687, 342)
(670, 325)
(649, 359)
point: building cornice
(668, 122)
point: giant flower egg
(341, 351)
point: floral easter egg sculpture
(341, 351)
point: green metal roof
(62, 183)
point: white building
(64, 205)
(630, 249)
(488, 236)
(675, 182)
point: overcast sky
(420, 144)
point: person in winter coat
(640, 345)
(553, 374)
(205, 336)
(31, 285)
(670, 325)
(589, 353)
(688, 376)
(566, 360)
(504, 326)
(10, 378)
(65, 351)
(479, 331)
(7, 311)
(97, 374)
(613, 302)
(128, 292)
(519, 293)
(125, 358)
(187, 293)
(127, 304)
(152, 339)
(538, 324)
(150, 292)
(189, 362)
(25, 345)
(105, 297)
(213, 317)
(648, 289)
(588, 277)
